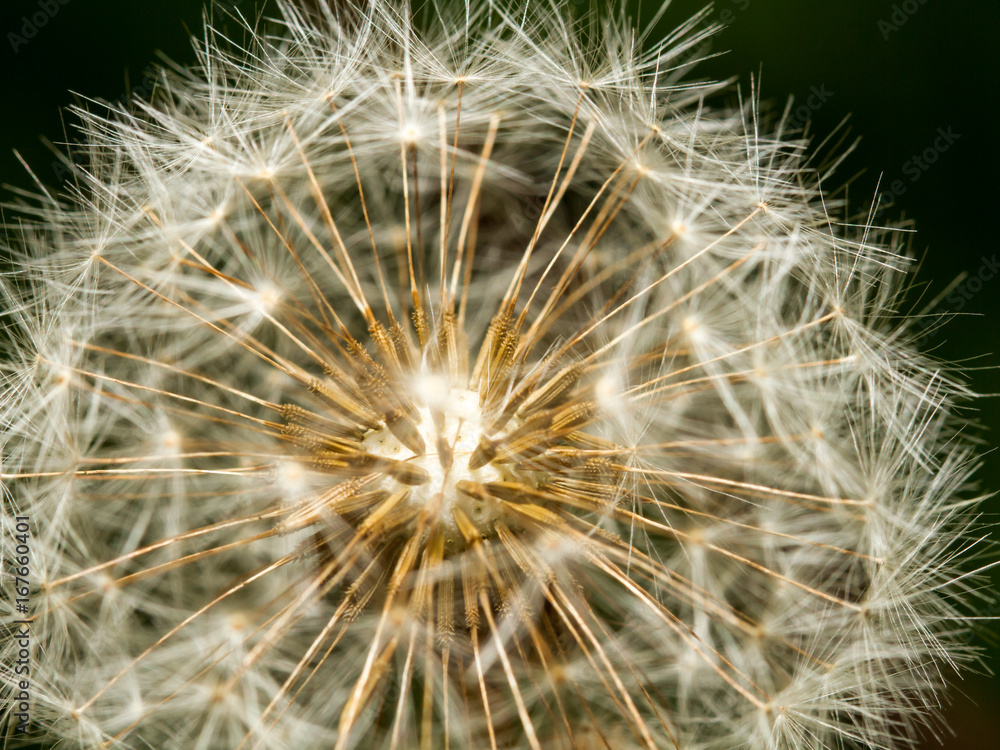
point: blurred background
(917, 80)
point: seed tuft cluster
(466, 380)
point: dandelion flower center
(443, 479)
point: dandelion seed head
(472, 381)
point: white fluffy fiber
(777, 563)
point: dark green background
(937, 70)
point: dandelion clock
(467, 378)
